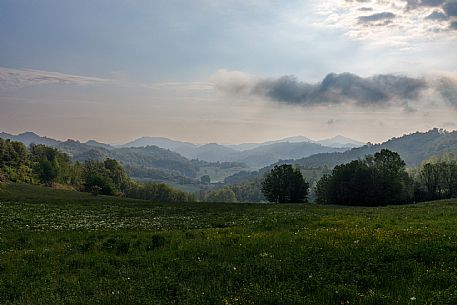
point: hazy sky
(227, 71)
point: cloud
(365, 9)
(233, 82)
(396, 23)
(437, 15)
(376, 17)
(16, 78)
(384, 90)
(447, 87)
(342, 88)
(412, 4)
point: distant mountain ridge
(149, 162)
(256, 155)
(29, 137)
(335, 142)
(158, 141)
(413, 148)
(340, 142)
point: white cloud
(233, 81)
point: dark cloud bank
(341, 88)
(347, 88)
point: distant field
(61, 247)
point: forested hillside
(41, 164)
(149, 162)
(413, 148)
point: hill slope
(152, 157)
(147, 162)
(413, 148)
(255, 155)
(30, 137)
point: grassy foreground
(61, 247)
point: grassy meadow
(64, 247)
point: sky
(227, 71)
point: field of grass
(61, 247)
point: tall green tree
(377, 180)
(117, 174)
(50, 164)
(285, 184)
(437, 180)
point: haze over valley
(167, 160)
(228, 152)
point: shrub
(221, 195)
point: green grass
(60, 247)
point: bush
(158, 193)
(221, 195)
(97, 184)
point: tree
(437, 180)
(322, 189)
(285, 184)
(225, 195)
(50, 164)
(205, 179)
(48, 170)
(97, 178)
(249, 191)
(2, 176)
(393, 184)
(96, 183)
(377, 180)
(117, 174)
(158, 193)
(430, 177)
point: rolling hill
(255, 155)
(149, 162)
(30, 137)
(413, 148)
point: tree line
(375, 180)
(379, 179)
(40, 164)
